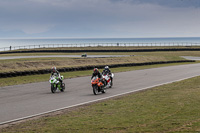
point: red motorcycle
(97, 85)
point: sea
(14, 43)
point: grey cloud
(167, 3)
(99, 17)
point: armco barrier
(81, 68)
(114, 50)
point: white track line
(31, 116)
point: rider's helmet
(96, 70)
(106, 68)
(53, 69)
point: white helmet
(106, 67)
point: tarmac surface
(191, 57)
(24, 101)
(69, 56)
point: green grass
(46, 63)
(170, 108)
(45, 77)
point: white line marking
(31, 116)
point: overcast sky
(99, 18)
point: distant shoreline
(98, 37)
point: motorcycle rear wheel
(103, 91)
(63, 87)
(111, 84)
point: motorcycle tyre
(103, 91)
(95, 90)
(63, 88)
(111, 84)
(53, 89)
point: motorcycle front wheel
(95, 89)
(53, 89)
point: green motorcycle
(56, 84)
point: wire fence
(172, 44)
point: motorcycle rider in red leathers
(97, 73)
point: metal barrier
(185, 44)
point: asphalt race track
(69, 56)
(23, 101)
(191, 57)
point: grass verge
(44, 77)
(12, 65)
(168, 108)
(46, 63)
